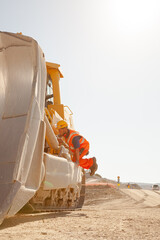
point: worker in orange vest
(78, 146)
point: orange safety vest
(83, 142)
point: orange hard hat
(62, 124)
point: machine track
(71, 203)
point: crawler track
(70, 205)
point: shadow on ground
(23, 218)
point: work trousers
(84, 162)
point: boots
(94, 167)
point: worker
(78, 146)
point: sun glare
(134, 15)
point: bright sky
(109, 52)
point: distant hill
(98, 178)
(147, 185)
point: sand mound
(96, 194)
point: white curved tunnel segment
(22, 129)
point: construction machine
(34, 169)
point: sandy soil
(107, 214)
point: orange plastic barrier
(100, 184)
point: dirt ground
(107, 214)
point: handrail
(71, 113)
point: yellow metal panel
(50, 65)
(58, 108)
